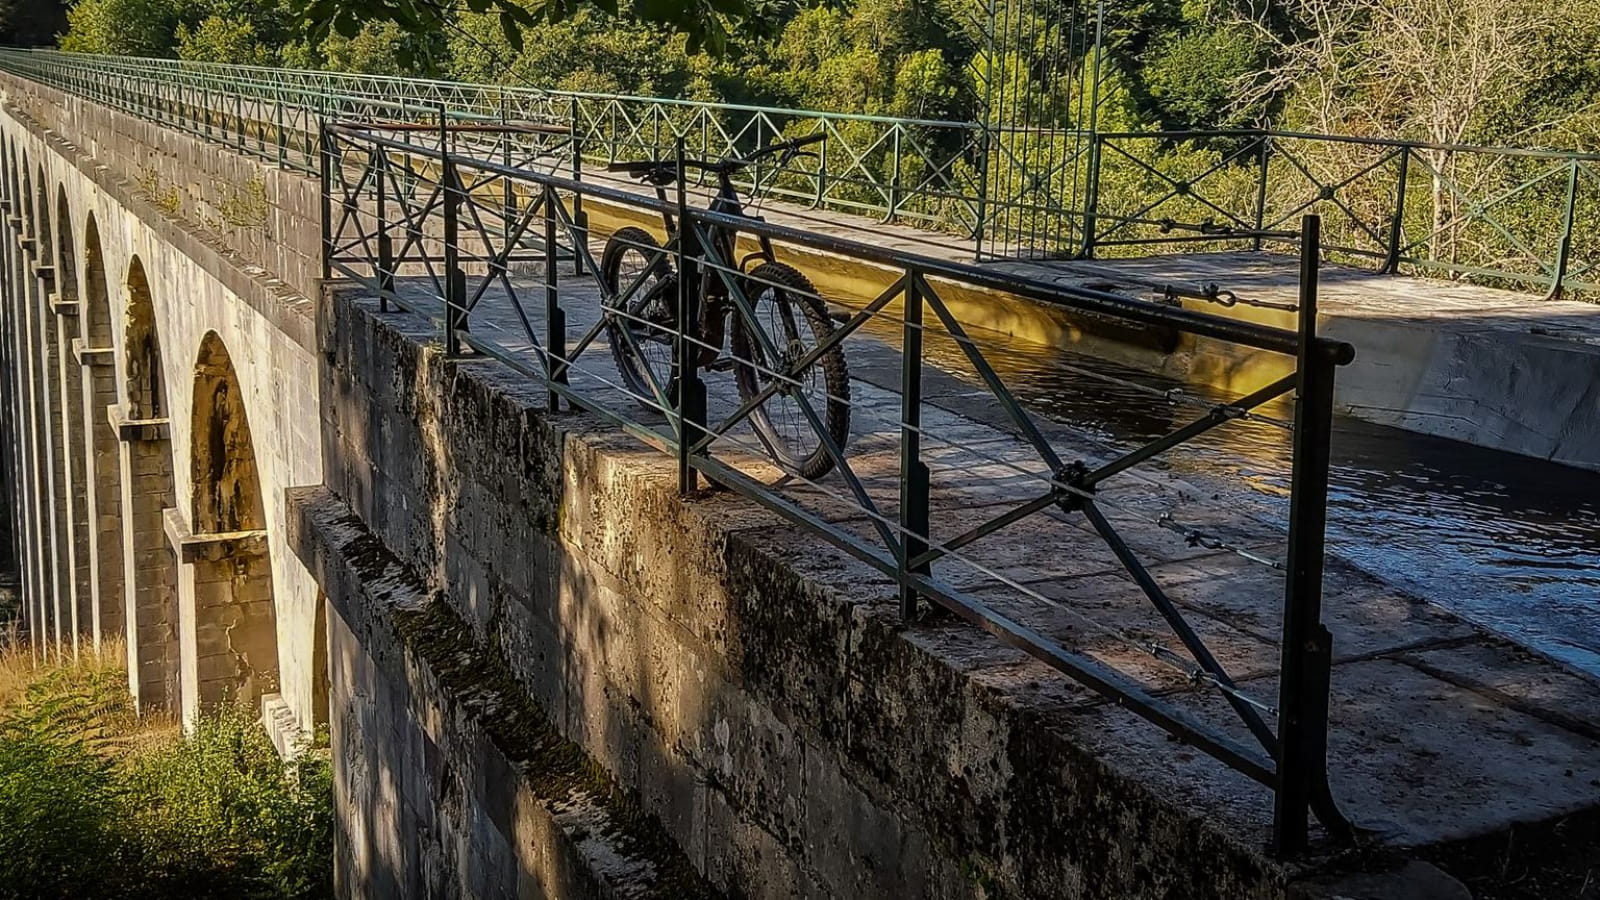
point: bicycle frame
(713, 292)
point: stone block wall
(268, 216)
(744, 685)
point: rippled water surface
(1506, 541)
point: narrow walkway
(1439, 730)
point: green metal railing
(1510, 217)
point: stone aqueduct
(544, 672)
(162, 410)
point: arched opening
(71, 451)
(11, 530)
(25, 200)
(42, 208)
(233, 654)
(97, 377)
(36, 397)
(65, 259)
(150, 609)
(56, 484)
(23, 350)
(142, 347)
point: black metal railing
(1511, 217)
(500, 258)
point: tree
(1437, 71)
(31, 23)
(123, 27)
(706, 24)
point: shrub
(221, 814)
(96, 802)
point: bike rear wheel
(643, 326)
(795, 320)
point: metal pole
(325, 148)
(913, 471)
(454, 281)
(1564, 248)
(1307, 644)
(1261, 188)
(1091, 216)
(385, 243)
(1397, 224)
(691, 392)
(1091, 211)
(555, 317)
(579, 217)
(894, 176)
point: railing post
(913, 471)
(555, 317)
(455, 316)
(283, 144)
(580, 219)
(1091, 205)
(1397, 223)
(1265, 153)
(1307, 654)
(1564, 248)
(982, 211)
(508, 194)
(690, 398)
(385, 243)
(894, 176)
(325, 152)
(822, 168)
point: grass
(98, 802)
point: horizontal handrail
(460, 216)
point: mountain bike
(638, 273)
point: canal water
(1505, 541)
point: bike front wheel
(643, 325)
(794, 320)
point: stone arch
(141, 347)
(227, 489)
(150, 577)
(12, 551)
(25, 196)
(97, 382)
(69, 459)
(55, 604)
(66, 262)
(19, 293)
(42, 210)
(226, 585)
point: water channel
(1506, 541)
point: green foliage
(378, 49)
(1191, 77)
(222, 815)
(123, 27)
(60, 795)
(95, 803)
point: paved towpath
(1440, 731)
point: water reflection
(1504, 540)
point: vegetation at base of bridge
(98, 802)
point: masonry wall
(267, 216)
(207, 274)
(747, 687)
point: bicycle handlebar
(663, 171)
